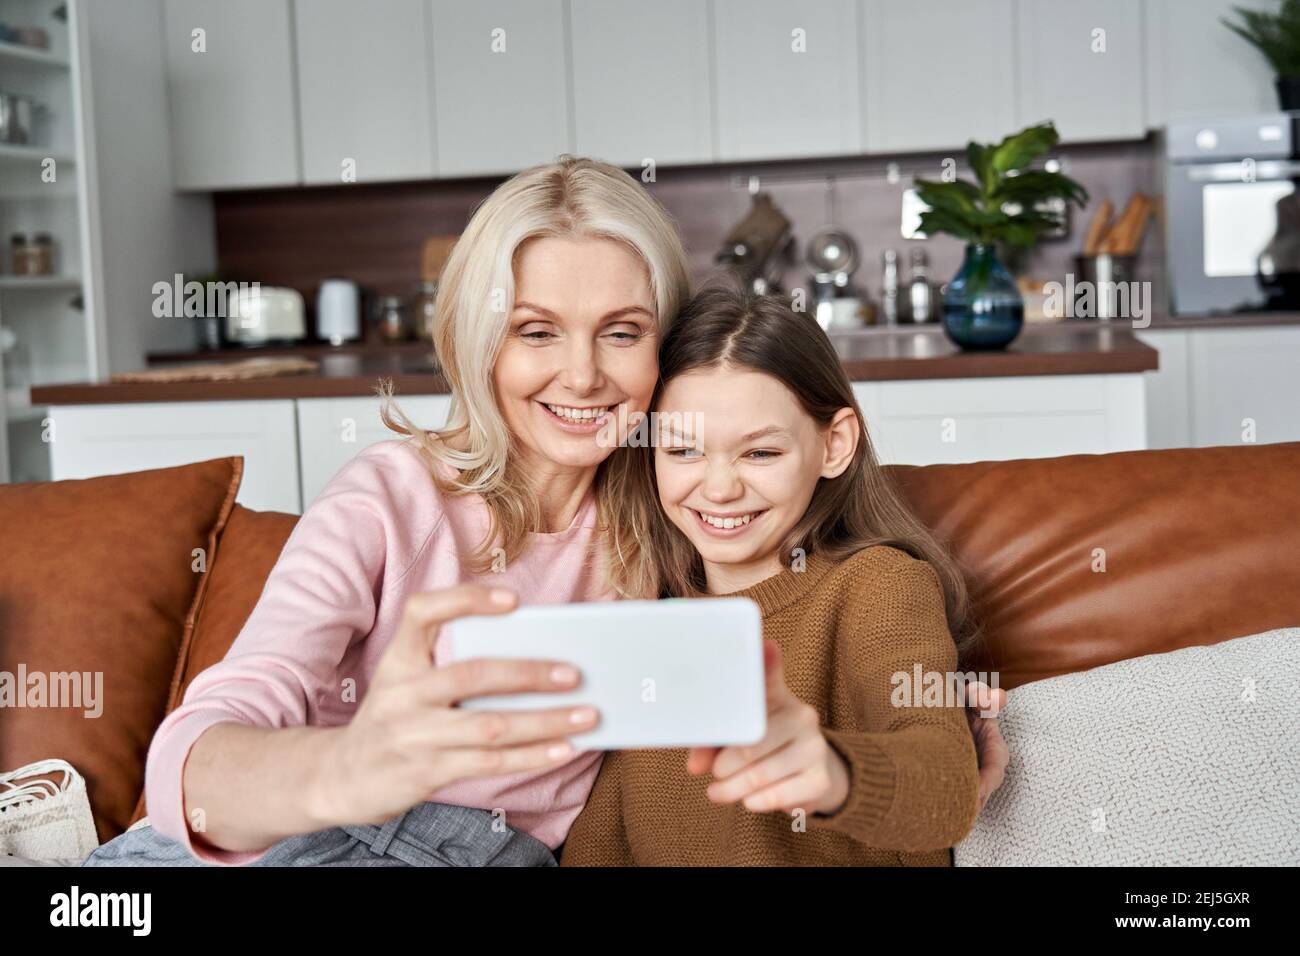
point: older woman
(330, 732)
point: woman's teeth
(578, 414)
(726, 523)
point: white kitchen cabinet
(332, 431)
(1245, 385)
(1224, 386)
(501, 84)
(1169, 389)
(1080, 65)
(92, 440)
(1196, 66)
(788, 82)
(952, 421)
(937, 73)
(364, 90)
(642, 87)
(234, 120)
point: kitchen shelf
(33, 154)
(18, 53)
(20, 283)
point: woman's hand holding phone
(792, 767)
(408, 738)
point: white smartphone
(671, 673)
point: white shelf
(17, 53)
(33, 154)
(19, 283)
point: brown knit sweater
(844, 630)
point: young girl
(777, 496)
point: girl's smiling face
(743, 479)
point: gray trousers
(429, 834)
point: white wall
(146, 232)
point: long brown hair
(725, 327)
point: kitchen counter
(925, 352)
(870, 355)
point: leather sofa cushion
(1200, 545)
(248, 549)
(100, 576)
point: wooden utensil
(1123, 238)
(1097, 228)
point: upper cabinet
(1080, 65)
(641, 83)
(281, 92)
(938, 72)
(364, 91)
(234, 122)
(788, 82)
(1198, 67)
(500, 84)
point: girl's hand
(983, 705)
(409, 738)
(792, 767)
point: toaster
(259, 315)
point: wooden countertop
(876, 354)
(1064, 348)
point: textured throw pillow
(98, 582)
(1185, 758)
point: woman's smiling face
(581, 345)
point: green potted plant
(982, 308)
(1277, 36)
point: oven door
(1233, 235)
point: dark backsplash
(372, 234)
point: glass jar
(392, 319)
(422, 310)
(32, 254)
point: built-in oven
(1232, 214)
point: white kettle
(338, 311)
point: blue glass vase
(983, 308)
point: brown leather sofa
(1073, 562)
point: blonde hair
(571, 198)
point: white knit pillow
(1185, 758)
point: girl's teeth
(577, 414)
(726, 523)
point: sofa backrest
(1084, 560)
(1073, 562)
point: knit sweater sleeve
(598, 836)
(913, 771)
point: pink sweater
(379, 532)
